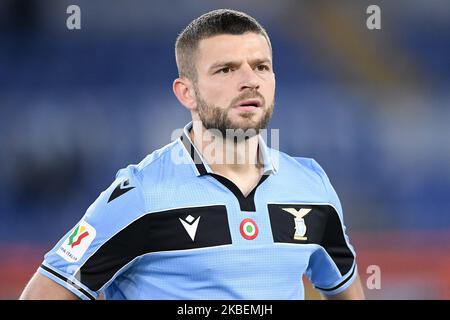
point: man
(216, 214)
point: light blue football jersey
(170, 228)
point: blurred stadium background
(372, 107)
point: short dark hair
(216, 22)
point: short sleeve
(332, 267)
(87, 259)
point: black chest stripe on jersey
(323, 227)
(155, 232)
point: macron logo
(190, 225)
(121, 189)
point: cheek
(269, 92)
(218, 96)
(210, 90)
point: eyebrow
(236, 63)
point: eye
(263, 67)
(225, 70)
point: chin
(246, 124)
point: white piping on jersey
(344, 277)
(70, 278)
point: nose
(249, 79)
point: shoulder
(311, 165)
(156, 162)
(125, 198)
(307, 175)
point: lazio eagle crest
(300, 226)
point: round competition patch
(249, 229)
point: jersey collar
(202, 167)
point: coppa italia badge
(79, 240)
(249, 229)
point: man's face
(235, 86)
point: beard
(214, 117)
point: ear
(184, 91)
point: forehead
(232, 47)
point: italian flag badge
(249, 229)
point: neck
(227, 156)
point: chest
(212, 210)
(217, 225)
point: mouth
(248, 104)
